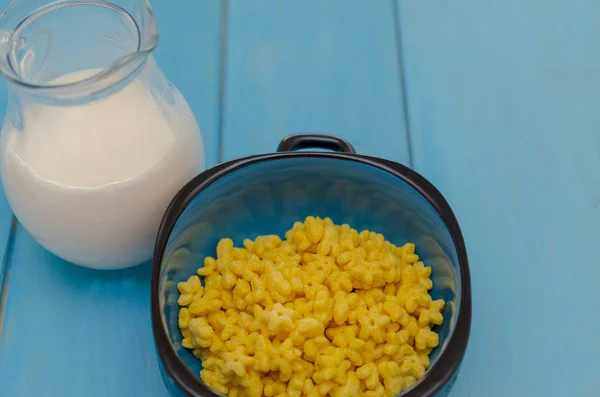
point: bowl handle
(314, 141)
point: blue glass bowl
(266, 194)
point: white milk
(91, 182)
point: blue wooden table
(497, 103)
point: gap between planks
(402, 79)
(6, 269)
(223, 68)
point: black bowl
(265, 194)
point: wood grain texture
(313, 66)
(69, 331)
(503, 108)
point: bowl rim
(449, 360)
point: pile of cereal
(328, 311)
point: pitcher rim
(144, 48)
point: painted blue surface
(502, 116)
(503, 105)
(313, 66)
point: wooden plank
(69, 331)
(503, 108)
(312, 66)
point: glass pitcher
(96, 141)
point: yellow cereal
(329, 311)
